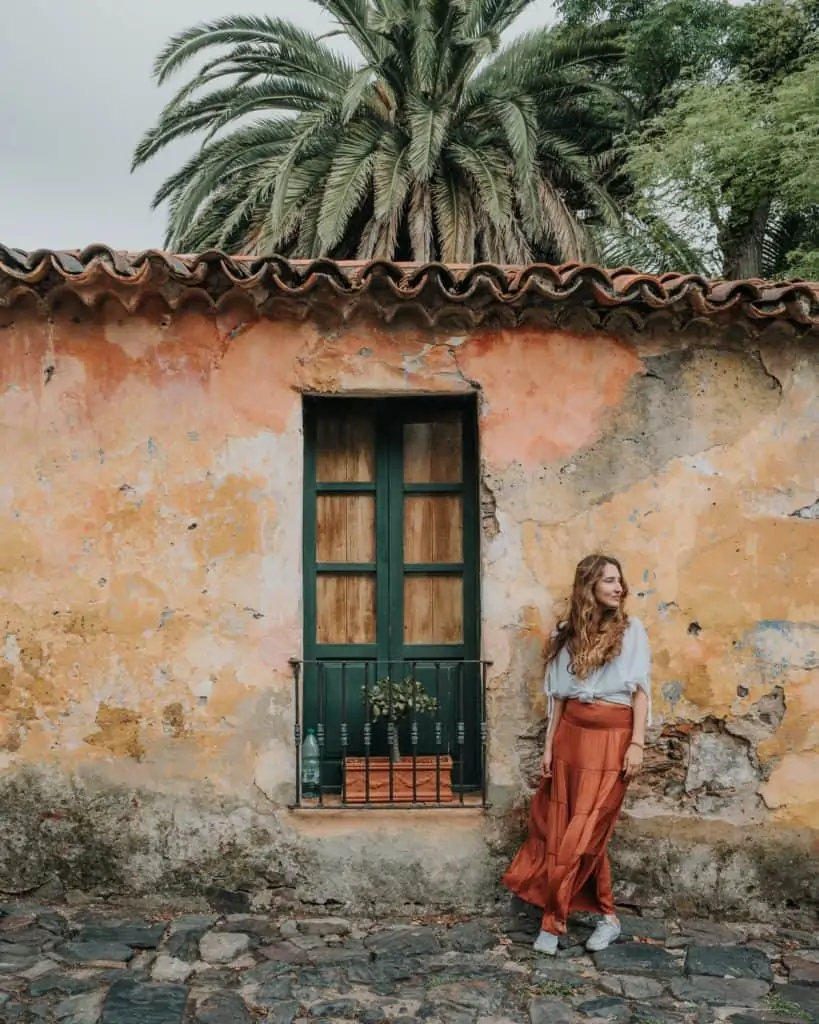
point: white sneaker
(546, 943)
(606, 932)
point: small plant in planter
(392, 701)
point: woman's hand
(546, 762)
(633, 761)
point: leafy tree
(720, 175)
(772, 39)
(437, 141)
(746, 154)
(669, 44)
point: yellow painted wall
(150, 581)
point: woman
(597, 681)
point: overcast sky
(76, 93)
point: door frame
(389, 490)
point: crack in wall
(771, 376)
(474, 384)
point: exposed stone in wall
(117, 731)
(718, 763)
(710, 770)
(761, 720)
(808, 511)
(490, 526)
(721, 775)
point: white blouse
(614, 683)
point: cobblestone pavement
(92, 966)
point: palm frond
(489, 172)
(788, 232)
(271, 137)
(354, 18)
(348, 180)
(436, 141)
(270, 95)
(428, 128)
(360, 85)
(562, 228)
(392, 176)
(493, 17)
(651, 246)
(258, 31)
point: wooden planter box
(427, 770)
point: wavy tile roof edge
(98, 270)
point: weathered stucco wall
(150, 590)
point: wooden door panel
(433, 609)
(346, 608)
(345, 448)
(345, 525)
(433, 448)
(345, 528)
(433, 529)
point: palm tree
(791, 238)
(650, 244)
(436, 142)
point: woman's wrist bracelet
(634, 743)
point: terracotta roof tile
(98, 272)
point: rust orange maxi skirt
(564, 866)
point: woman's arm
(634, 755)
(639, 703)
(558, 704)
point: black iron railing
(390, 733)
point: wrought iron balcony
(390, 733)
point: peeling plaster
(808, 511)
(150, 582)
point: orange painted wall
(150, 531)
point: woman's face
(609, 588)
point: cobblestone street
(90, 965)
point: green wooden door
(391, 573)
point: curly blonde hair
(592, 635)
